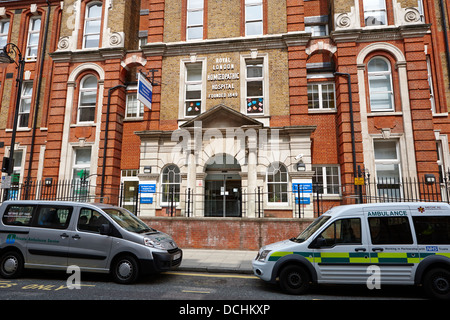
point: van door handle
(64, 235)
(76, 237)
(360, 249)
(377, 249)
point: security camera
(299, 157)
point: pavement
(227, 261)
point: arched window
(170, 184)
(88, 99)
(277, 183)
(380, 85)
(92, 25)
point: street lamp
(11, 54)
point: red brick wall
(230, 233)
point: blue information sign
(145, 91)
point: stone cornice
(88, 55)
(266, 42)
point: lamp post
(8, 55)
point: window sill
(385, 113)
(87, 124)
(314, 111)
(19, 130)
(131, 119)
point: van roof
(56, 202)
(351, 207)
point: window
(193, 89)
(440, 161)
(90, 221)
(88, 99)
(321, 96)
(194, 23)
(25, 105)
(344, 231)
(326, 180)
(170, 183)
(277, 183)
(387, 167)
(432, 230)
(81, 172)
(253, 17)
(34, 30)
(375, 12)
(18, 215)
(82, 163)
(53, 217)
(135, 108)
(389, 230)
(17, 169)
(380, 85)
(92, 25)
(430, 83)
(4, 30)
(255, 86)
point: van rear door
(392, 246)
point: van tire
(11, 265)
(294, 279)
(125, 269)
(436, 283)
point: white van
(95, 237)
(408, 243)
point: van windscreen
(127, 220)
(311, 229)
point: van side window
(344, 231)
(53, 217)
(432, 230)
(388, 230)
(90, 220)
(18, 215)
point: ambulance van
(372, 244)
(101, 238)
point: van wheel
(294, 280)
(11, 265)
(437, 283)
(125, 270)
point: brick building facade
(250, 103)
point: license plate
(177, 256)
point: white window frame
(381, 73)
(163, 193)
(139, 106)
(430, 83)
(319, 92)
(32, 31)
(393, 161)
(273, 170)
(249, 4)
(4, 33)
(88, 19)
(76, 166)
(263, 86)
(24, 96)
(322, 170)
(381, 10)
(189, 25)
(317, 29)
(80, 107)
(185, 83)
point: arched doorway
(223, 185)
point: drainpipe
(38, 95)
(444, 28)
(102, 190)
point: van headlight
(263, 255)
(152, 243)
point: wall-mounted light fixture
(301, 166)
(48, 181)
(430, 179)
(148, 169)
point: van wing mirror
(319, 242)
(105, 229)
